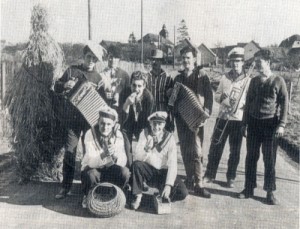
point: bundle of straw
(31, 102)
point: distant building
(208, 57)
(250, 49)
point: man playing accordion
(73, 120)
(229, 123)
(197, 80)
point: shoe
(137, 202)
(271, 199)
(62, 194)
(84, 202)
(230, 183)
(189, 184)
(201, 192)
(208, 180)
(246, 193)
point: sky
(209, 21)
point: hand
(111, 149)
(224, 96)
(131, 99)
(70, 84)
(244, 130)
(166, 192)
(232, 101)
(279, 132)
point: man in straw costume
(72, 118)
(264, 121)
(155, 161)
(231, 85)
(191, 142)
(158, 83)
(105, 158)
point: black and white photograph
(150, 114)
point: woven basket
(106, 200)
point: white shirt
(92, 156)
(166, 159)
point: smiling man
(105, 158)
(155, 162)
(191, 142)
(72, 119)
(233, 85)
(264, 119)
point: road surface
(34, 206)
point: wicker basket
(106, 200)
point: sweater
(267, 99)
(165, 159)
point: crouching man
(155, 162)
(105, 159)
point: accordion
(188, 106)
(87, 100)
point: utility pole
(89, 19)
(174, 50)
(142, 54)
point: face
(113, 62)
(105, 126)
(188, 60)
(138, 86)
(237, 65)
(157, 127)
(262, 65)
(156, 65)
(90, 60)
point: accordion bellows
(106, 200)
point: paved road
(34, 205)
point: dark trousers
(114, 174)
(142, 171)
(191, 150)
(233, 131)
(74, 129)
(261, 134)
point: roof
(203, 45)
(154, 38)
(288, 43)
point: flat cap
(236, 53)
(107, 112)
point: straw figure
(30, 101)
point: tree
(131, 39)
(182, 31)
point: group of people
(138, 110)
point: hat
(236, 53)
(95, 48)
(157, 54)
(158, 116)
(108, 112)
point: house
(155, 39)
(208, 57)
(250, 49)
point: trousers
(114, 174)
(191, 150)
(261, 134)
(233, 131)
(143, 172)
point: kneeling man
(105, 158)
(155, 161)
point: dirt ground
(34, 206)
